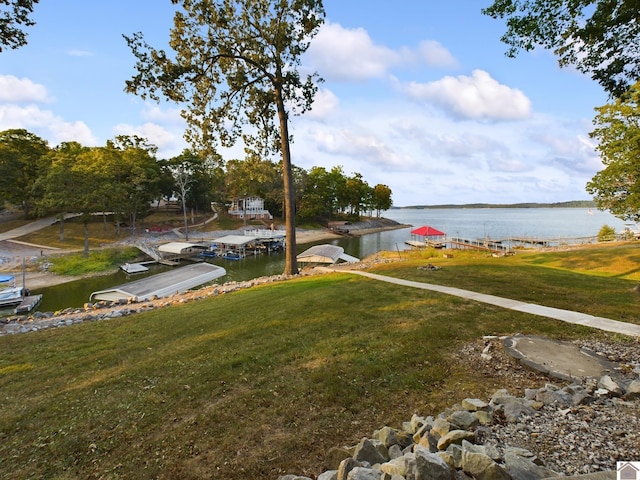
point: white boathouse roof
(163, 284)
(325, 254)
(180, 248)
(235, 240)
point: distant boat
(232, 256)
(590, 212)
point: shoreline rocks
(482, 440)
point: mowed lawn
(264, 381)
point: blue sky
(418, 95)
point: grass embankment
(262, 381)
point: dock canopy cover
(427, 231)
(325, 254)
(180, 248)
(162, 284)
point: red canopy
(427, 231)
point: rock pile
(103, 310)
(480, 440)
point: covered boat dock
(326, 253)
(162, 284)
(427, 236)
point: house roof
(427, 231)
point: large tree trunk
(86, 238)
(62, 227)
(291, 262)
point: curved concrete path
(550, 312)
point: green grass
(599, 281)
(96, 262)
(256, 383)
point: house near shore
(249, 208)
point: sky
(417, 95)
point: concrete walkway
(556, 313)
(27, 228)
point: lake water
(490, 223)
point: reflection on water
(466, 223)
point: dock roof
(179, 247)
(236, 240)
(325, 254)
(163, 284)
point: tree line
(125, 176)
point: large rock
(430, 466)
(454, 436)
(366, 451)
(481, 467)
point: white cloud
(45, 124)
(436, 54)
(21, 90)
(349, 54)
(325, 103)
(79, 53)
(152, 112)
(169, 143)
(367, 147)
(476, 97)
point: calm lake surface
(490, 223)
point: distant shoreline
(570, 204)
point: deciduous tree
(14, 16)
(235, 67)
(617, 187)
(23, 158)
(381, 198)
(599, 37)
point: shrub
(606, 234)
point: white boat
(10, 294)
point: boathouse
(249, 208)
(326, 253)
(180, 250)
(163, 284)
(427, 236)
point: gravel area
(569, 440)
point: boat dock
(162, 284)
(495, 246)
(28, 303)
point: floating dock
(162, 284)
(28, 303)
(134, 268)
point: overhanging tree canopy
(235, 64)
(617, 187)
(14, 14)
(600, 37)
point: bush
(606, 234)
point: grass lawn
(265, 381)
(599, 280)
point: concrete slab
(561, 360)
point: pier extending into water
(508, 245)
